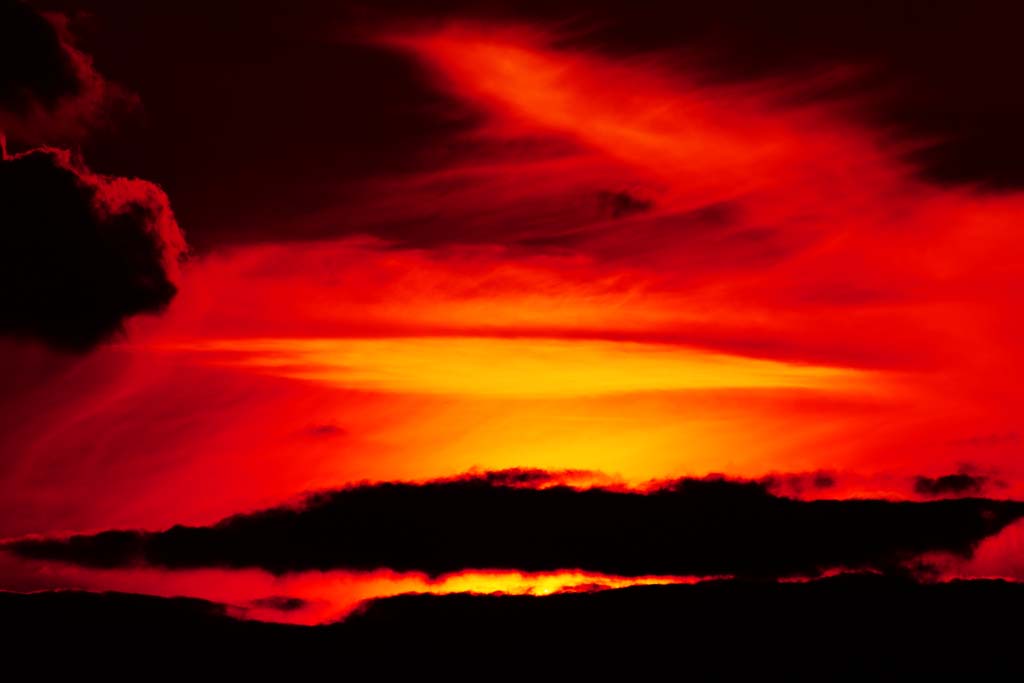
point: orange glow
(531, 368)
(780, 294)
(328, 596)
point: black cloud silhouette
(80, 252)
(959, 484)
(688, 527)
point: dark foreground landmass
(858, 626)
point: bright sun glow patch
(323, 596)
(533, 368)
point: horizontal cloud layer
(688, 527)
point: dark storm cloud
(960, 484)
(80, 252)
(47, 87)
(799, 484)
(688, 527)
(838, 628)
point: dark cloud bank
(689, 527)
(79, 252)
(959, 484)
(853, 626)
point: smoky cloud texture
(48, 88)
(80, 252)
(959, 484)
(701, 527)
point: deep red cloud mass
(81, 251)
(612, 263)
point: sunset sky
(258, 251)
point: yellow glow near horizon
(517, 367)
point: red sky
(618, 263)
